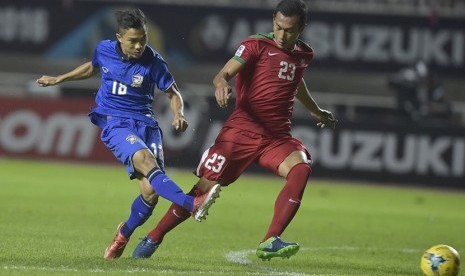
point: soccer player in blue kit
(131, 71)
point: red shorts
(236, 149)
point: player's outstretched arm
(81, 72)
(223, 91)
(177, 108)
(324, 117)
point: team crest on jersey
(131, 139)
(239, 51)
(137, 80)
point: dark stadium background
(362, 49)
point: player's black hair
(128, 19)
(291, 8)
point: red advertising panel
(422, 154)
(51, 129)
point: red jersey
(267, 85)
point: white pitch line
(55, 269)
(111, 271)
(69, 269)
(240, 257)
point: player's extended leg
(128, 140)
(143, 206)
(225, 160)
(146, 164)
(141, 210)
(296, 170)
(173, 217)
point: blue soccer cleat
(275, 247)
(145, 248)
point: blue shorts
(124, 137)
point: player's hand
(180, 123)
(222, 95)
(47, 81)
(325, 118)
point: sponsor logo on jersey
(272, 54)
(104, 69)
(131, 139)
(137, 80)
(239, 51)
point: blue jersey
(128, 86)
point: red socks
(288, 201)
(173, 217)
(285, 208)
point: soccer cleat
(203, 202)
(275, 247)
(116, 248)
(145, 248)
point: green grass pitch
(58, 218)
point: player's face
(133, 42)
(286, 30)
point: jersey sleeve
(247, 52)
(95, 58)
(161, 75)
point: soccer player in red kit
(269, 70)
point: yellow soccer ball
(440, 260)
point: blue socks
(140, 212)
(166, 188)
